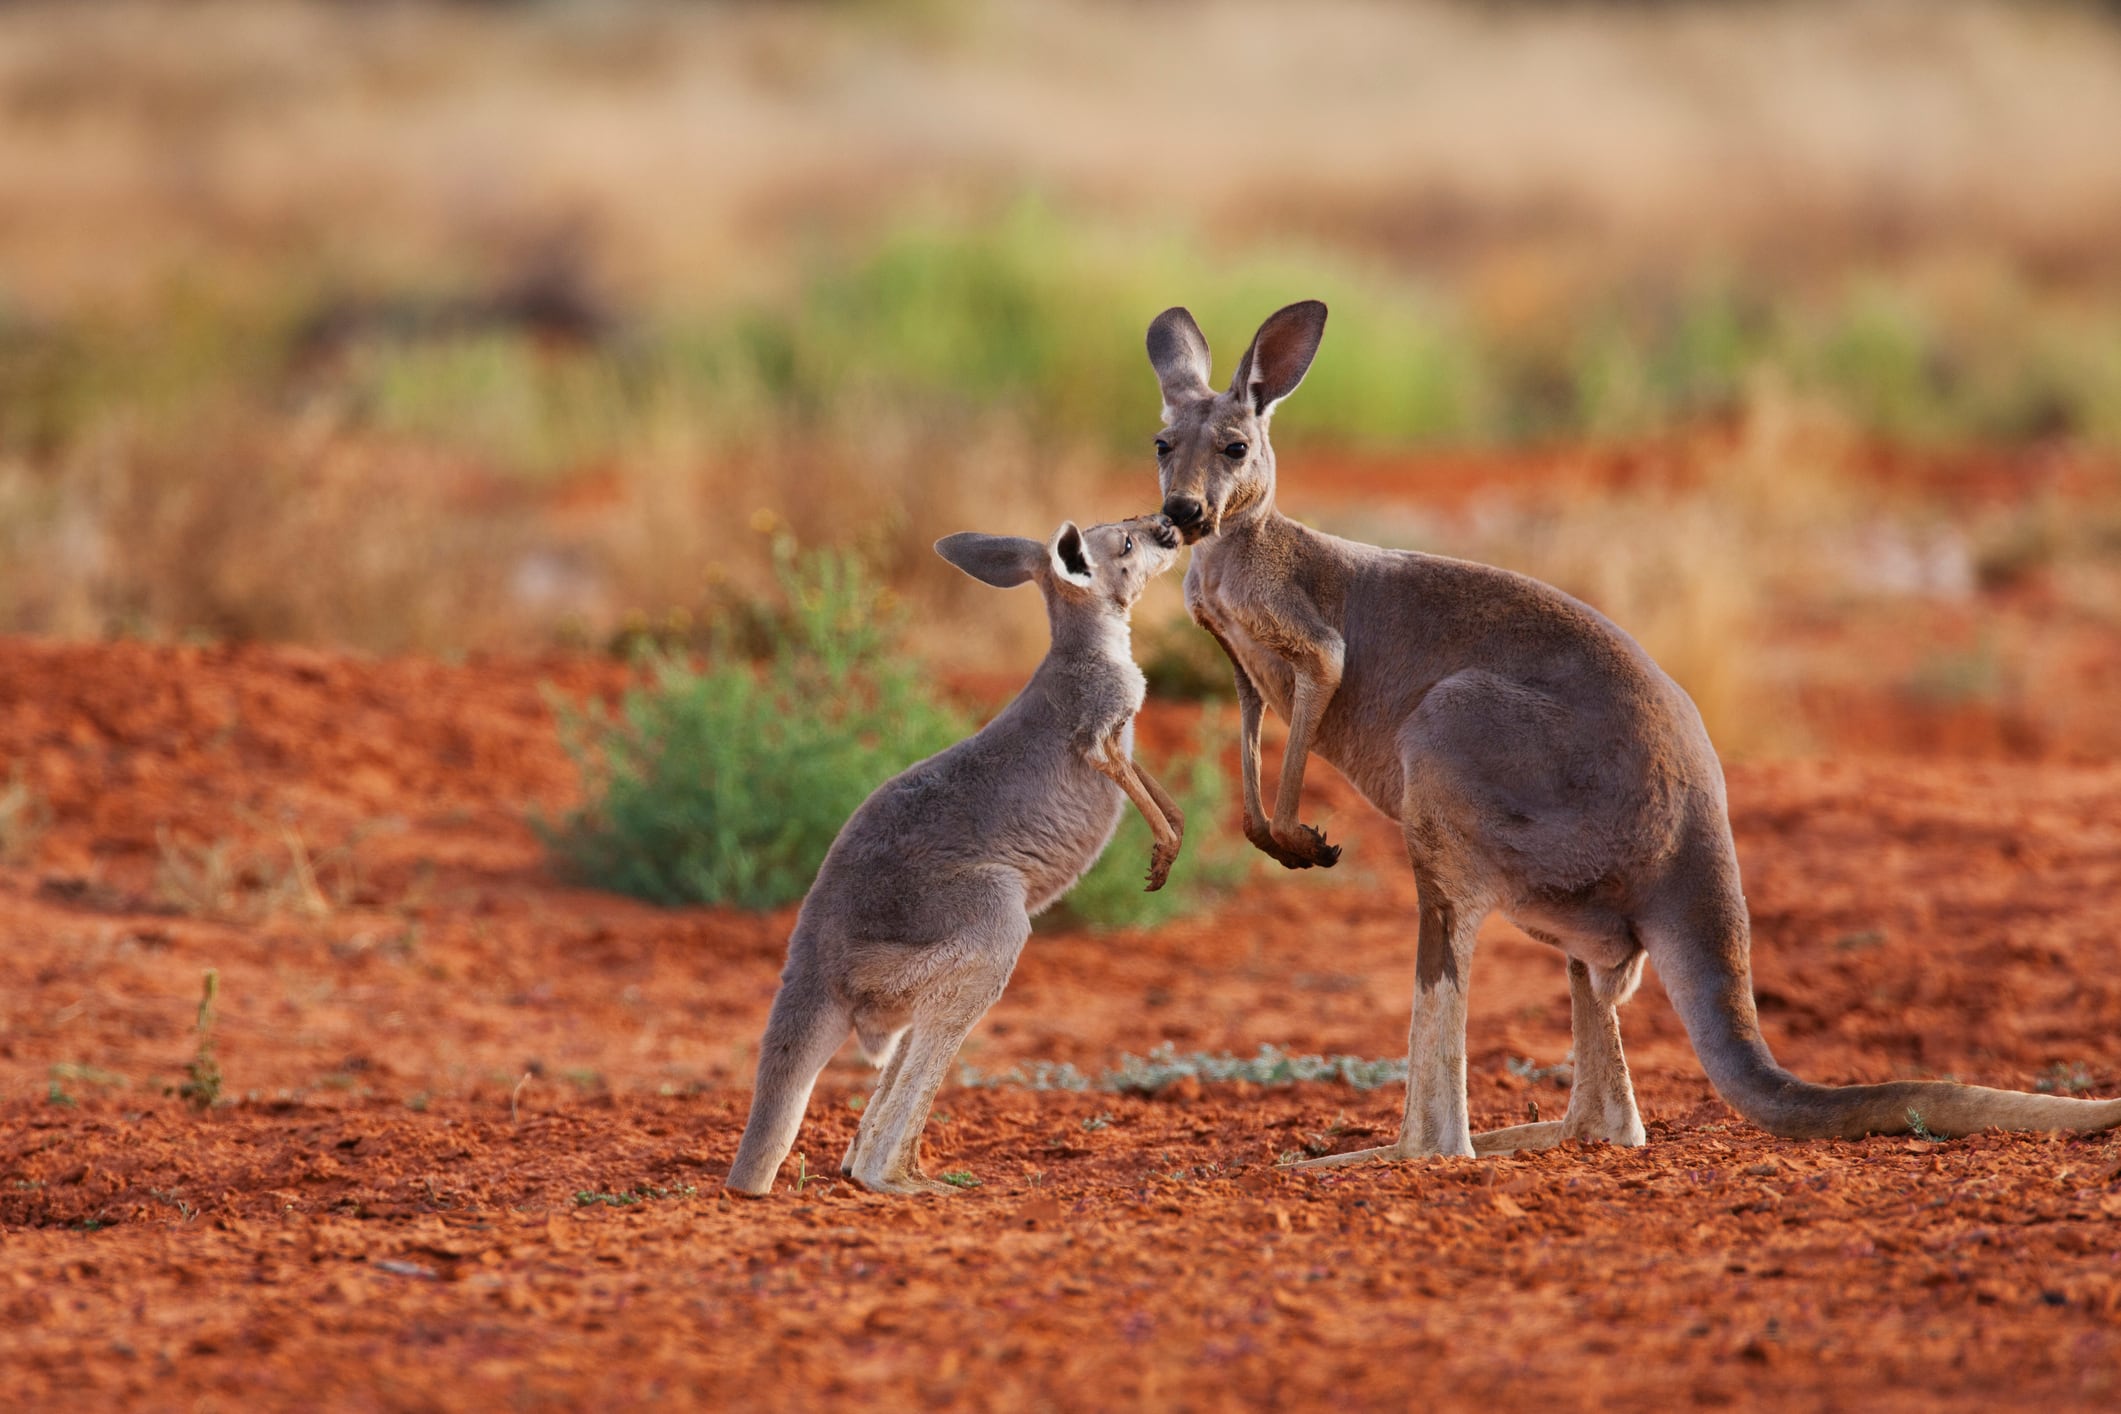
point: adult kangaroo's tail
(1701, 953)
(807, 1025)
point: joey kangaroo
(1536, 761)
(924, 901)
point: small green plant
(802, 1172)
(631, 1196)
(1145, 1075)
(1921, 1130)
(1101, 1120)
(57, 1095)
(202, 1074)
(960, 1178)
(1214, 861)
(727, 784)
(587, 1199)
(2065, 1079)
(1272, 1066)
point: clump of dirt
(472, 1120)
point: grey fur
(1536, 760)
(924, 901)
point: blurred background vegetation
(1787, 333)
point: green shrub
(727, 783)
(1214, 861)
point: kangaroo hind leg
(891, 1054)
(886, 1158)
(1453, 903)
(1602, 1097)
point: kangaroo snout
(1164, 532)
(1187, 515)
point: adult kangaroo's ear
(1280, 355)
(1003, 561)
(1178, 351)
(1071, 557)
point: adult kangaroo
(1536, 760)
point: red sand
(385, 1214)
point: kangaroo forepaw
(1262, 838)
(1301, 848)
(1160, 862)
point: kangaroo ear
(1178, 351)
(1280, 355)
(1071, 557)
(1003, 561)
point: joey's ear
(1003, 561)
(1178, 351)
(1280, 355)
(1071, 557)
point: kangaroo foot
(910, 1182)
(1382, 1154)
(1519, 1138)
(1379, 1154)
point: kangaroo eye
(1235, 451)
(1163, 448)
(1128, 548)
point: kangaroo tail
(1702, 957)
(807, 1025)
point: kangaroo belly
(1055, 846)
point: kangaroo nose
(1185, 512)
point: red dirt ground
(383, 1212)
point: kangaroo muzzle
(1188, 516)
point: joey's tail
(807, 1025)
(1702, 959)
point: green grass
(630, 1197)
(727, 783)
(1038, 315)
(1145, 1075)
(358, 490)
(1213, 861)
(1044, 316)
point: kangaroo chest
(1216, 611)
